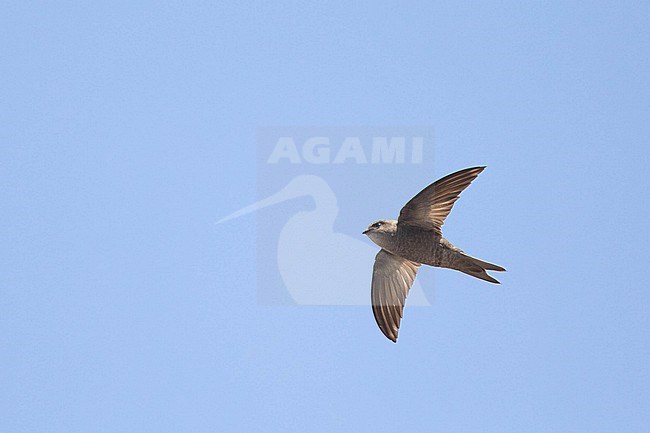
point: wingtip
(476, 170)
(473, 167)
(392, 337)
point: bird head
(381, 232)
(381, 227)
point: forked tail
(477, 268)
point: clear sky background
(127, 130)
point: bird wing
(392, 277)
(429, 208)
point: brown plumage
(415, 239)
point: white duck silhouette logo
(319, 266)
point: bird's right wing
(429, 208)
(392, 277)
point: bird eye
(376, 225)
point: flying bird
(416, 239)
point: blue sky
(128, 130)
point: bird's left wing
(429, 208)
(392, 277)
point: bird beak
(278, 197)
(365, 231)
